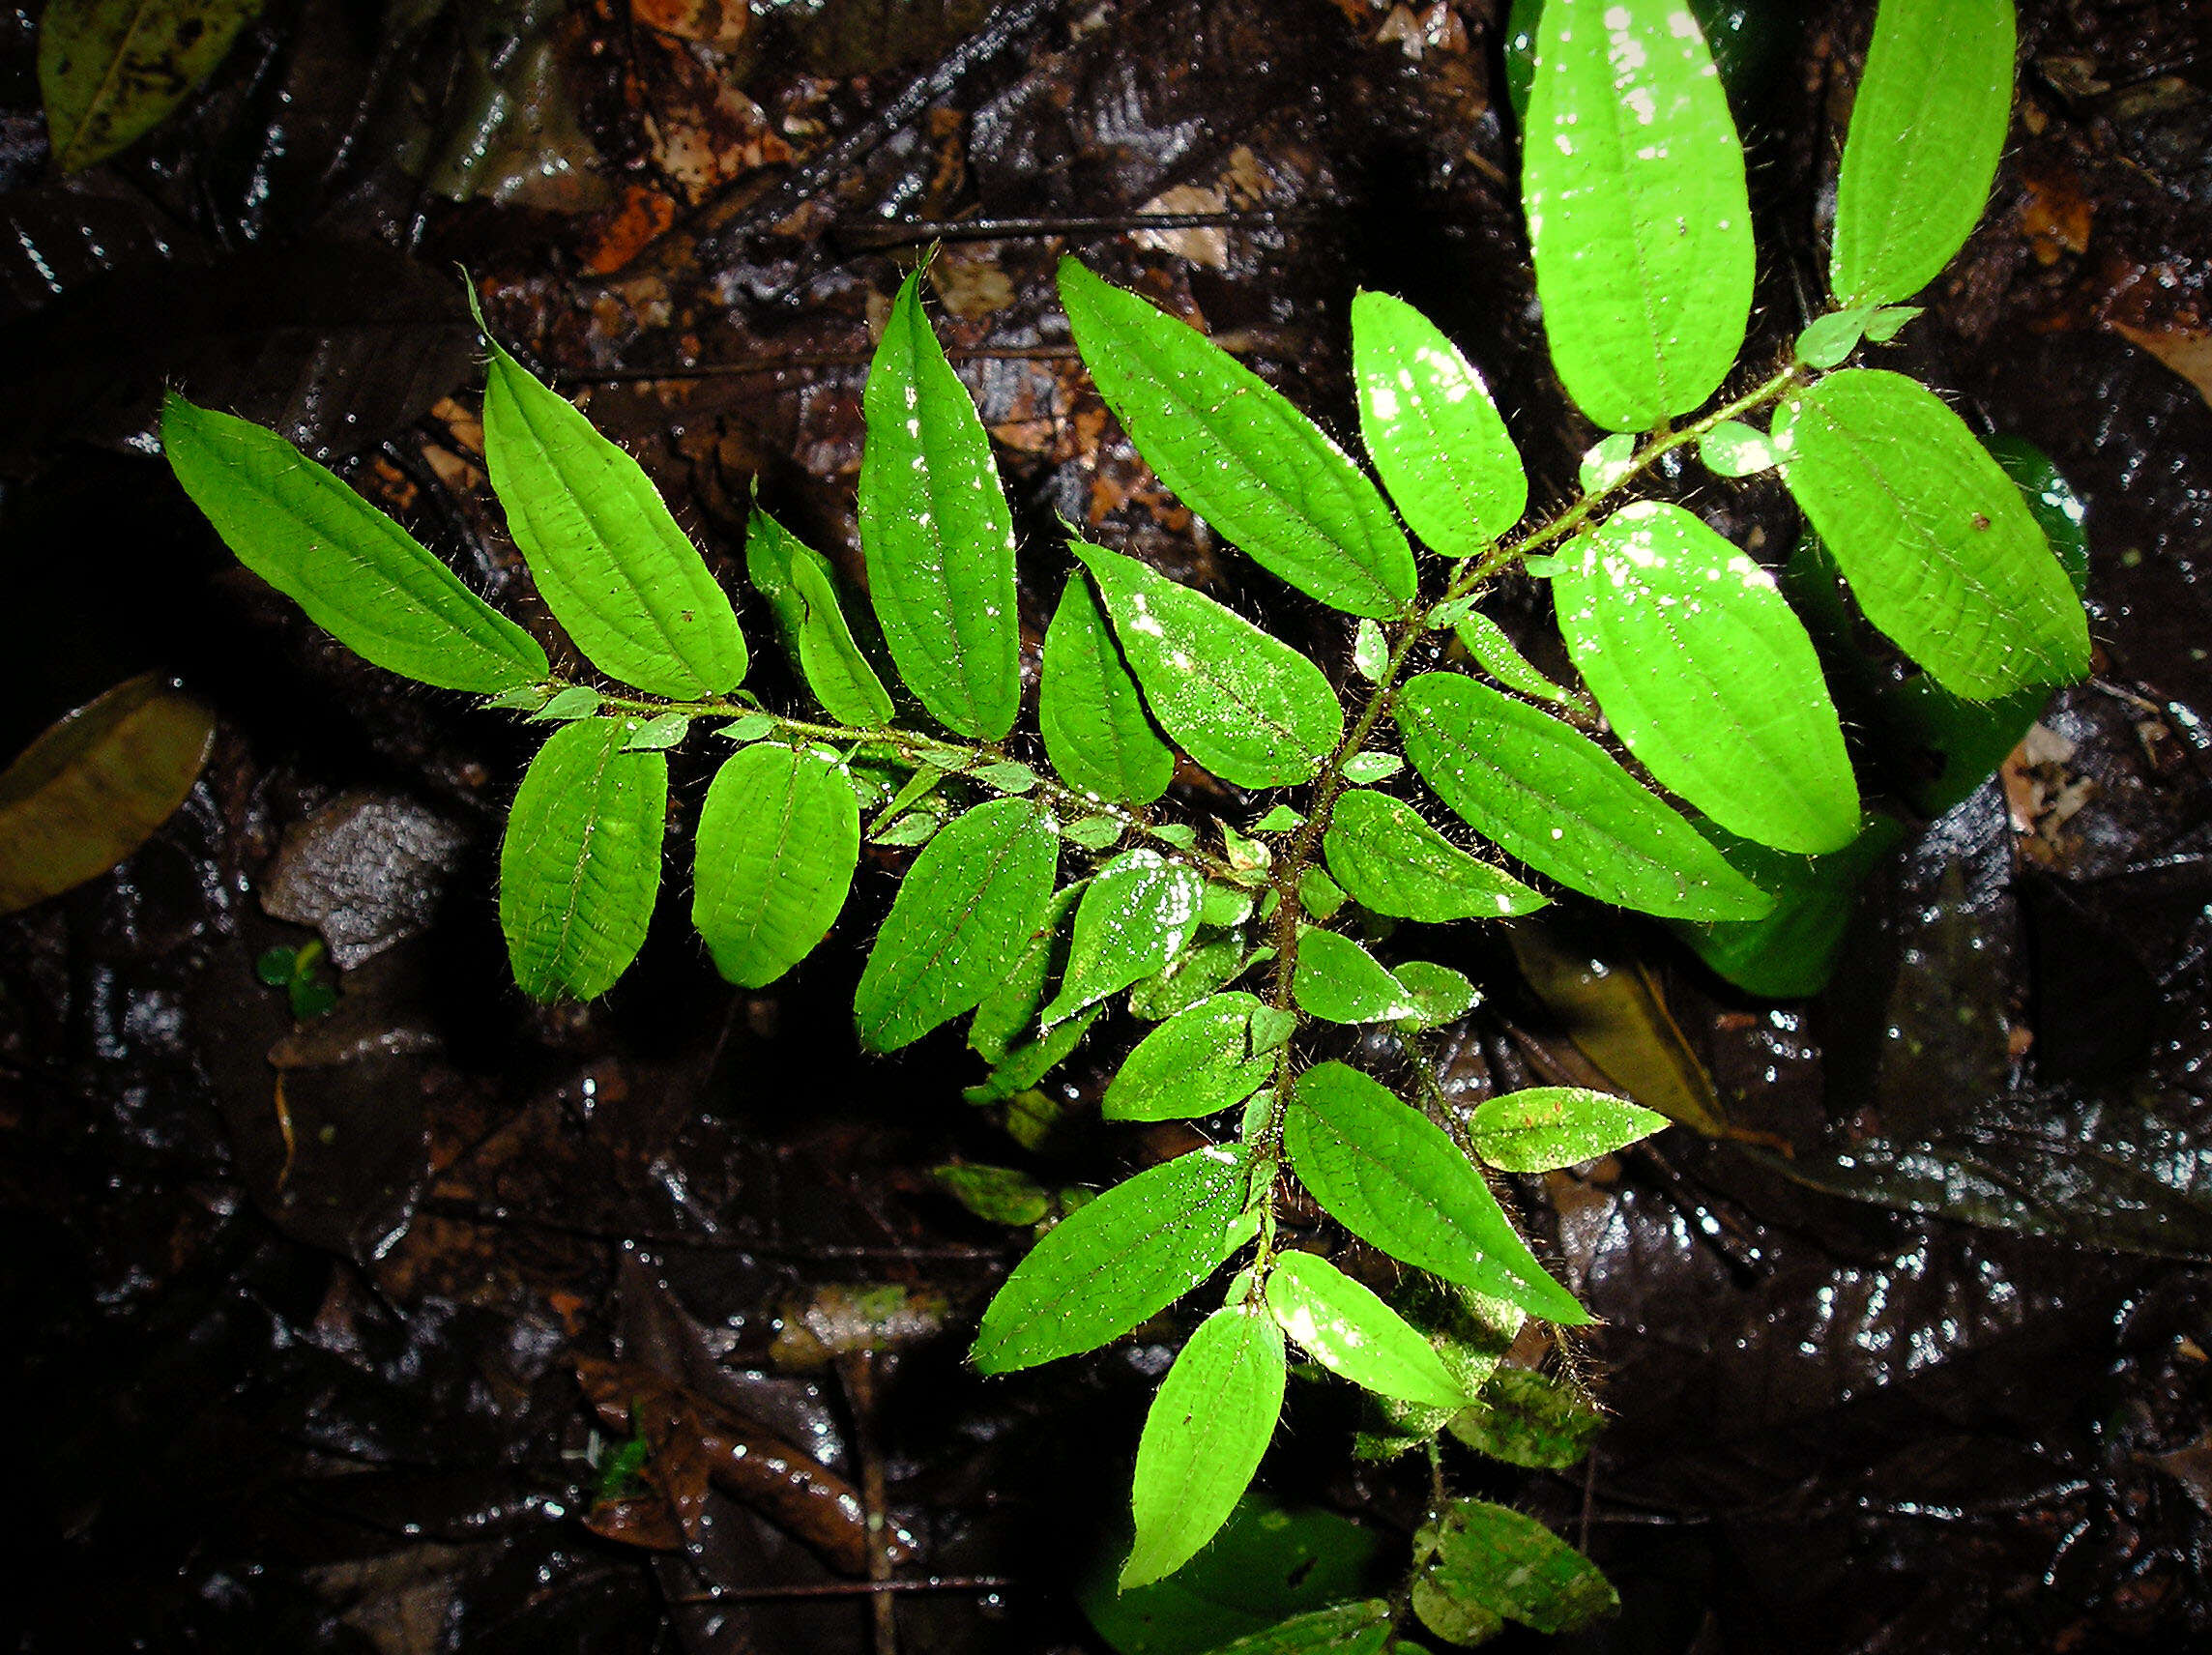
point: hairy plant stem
(1298, 853)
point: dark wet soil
(1915, 1357)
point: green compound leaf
(357, 573)
(1394, 864)
(1939, 549)
(1792, 953)
(1494, 1558)
(1348, 1629)
(966, 910)
(1095, 730)
(1250, 709)
(796, 582)
(1139, 912)
(1355, 1335)
(1637, 221)
(610, 562)
(110, 71)
(1388, 1174)
(1338, 981)
(937, 533)
(580, 866)
(1706, 674)
(1123, 1258)
(779, 838)
(1238, 454)
(1432, 429)
(1927, 127)
(1200, 1061)
(1502, 658)
(1203, 1438)
(1547, 1127)
(1552, 798)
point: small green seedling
(1058, 876)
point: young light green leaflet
(1707, 676)
(937, 533)
(1432, 430)
(779, 838)
(1088, 709)
(358, 574)
(1200, 1061)
(1388, 1174)
(1633, 180)
(1553, 799)
(1928, 125)
(580, 866)
(1941, 550)
(1347, 1629)
(1138, 911)
(1350, 1331)
(1547, 1127)
(611, 564)
(1204, 1437)
(968, 904)
(1502, 658)
(1251, 709)
(1338, 981)
(796, 582)
(1126, 1256)
(1394, 864)
(1238, 454)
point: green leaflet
(796, 582)
(110, 70)
(1013, 1004)
(357, 573)
(1432, 429)
(1706, 674)
(1200, 1061)
(1092, 718)
(1138, 911)
(779, 838)
(997, 1195)
(1392, 862)
(1338, 981)
(1637, 221)
(939, 538)
(1355, 1335)
(1494, 1558)
(1205, 968)
(611, 564)
(1440, 994)
(1110, 1264)
(1238, 454)
(580, 866)
(1502, 658)
(1025, 1065)
(1941, 550)
(1792, 953)
(1927, 127)
(1203, 1438)
(1547, 1127)
(1250, 709)
(1348, 1629)
(1388, 1174)
(1529, 1419)
(965, 909)
(1557, 800)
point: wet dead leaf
(2187, 351)
(1209, 246)
(96, 785)
(717, 23)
